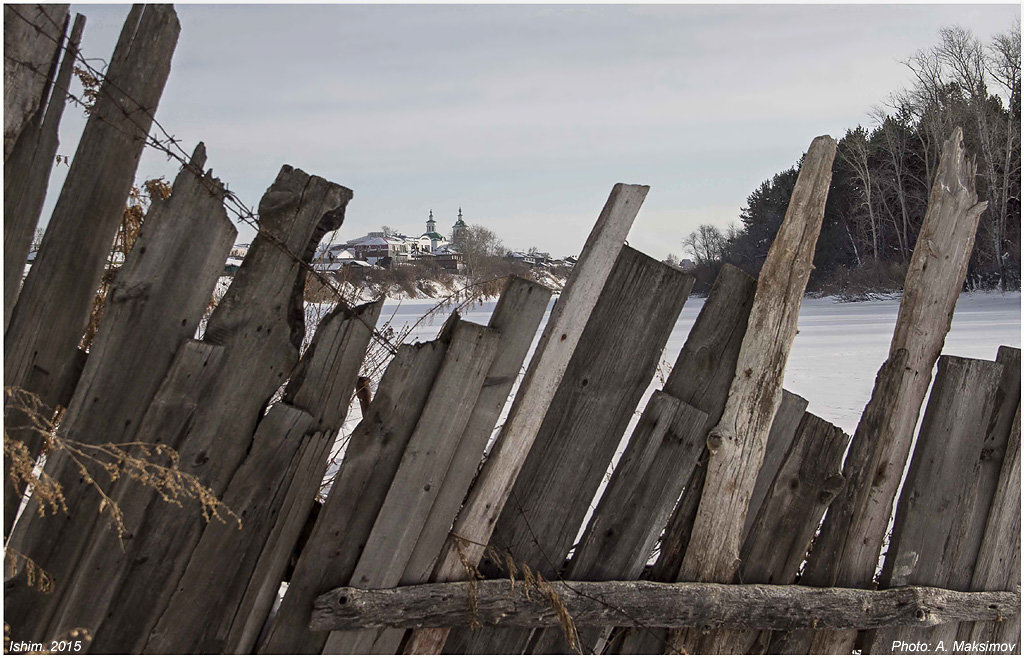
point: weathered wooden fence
(734, 521)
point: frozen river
(838, 350)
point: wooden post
(516, 317)
(260, 323)
(27, 170)
(614, 363)
(998, 561)
(306, 420)
(736, 445)
(929, 544)
(677, 605)
(544, 374)
(701, 378)
(154, 306)
(53, 309)
(344, 524)
(847, 549)
(33, 35)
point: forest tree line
(883, 174)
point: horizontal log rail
(660, 605)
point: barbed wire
(171, 147)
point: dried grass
(153, 465)
(139, 201)
(530, 580)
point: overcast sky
(526, 115)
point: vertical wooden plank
(847, 549)
(614, 362)
(166, 421)
(929, 543)
(998, 564)
(633, 509)
(421, 471)
(153, 307)
(32, 38)
(360, 487)
(53, 308)
(996, 436)
(260, 323)
(27, 172)
(806, 481)
(333, 359)
(737, 443)
(780, 439)
(222, 565)
(783, 526)
(701, 378)
(544, 374)
(516, 316)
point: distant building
(336, 257)
(432, 235)
(449, 258)
(384, 250)
(459, 228)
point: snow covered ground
(838, 350)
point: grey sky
(526, 115)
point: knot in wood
(714, 441)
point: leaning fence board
(32, 38)
(806, 481)
(360, 487)
(737, 443)
(651, 496)
(305, 420)
(516, 317)
(700, 377)
(847, 549)
(425, 461)
(784, 524)
(635, 506)
(27, 172)
(153, 307)
(676, 605)
(780, 439)
(554, 350)
(614, 363)
(53, 308)
(260, 323)
(996, 436)
(166, 422)
(998, 563)
(930, 544)
(322, 385)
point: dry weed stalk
(35, 576)
(139, 200)
(532, 582)
(153, 465)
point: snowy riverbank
(837, 352)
